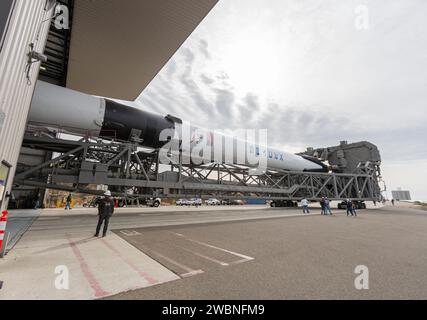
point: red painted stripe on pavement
(143, 274)
(99, 292)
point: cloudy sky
(312, 73)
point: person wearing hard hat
(349, 205)
(304, 205)
(105, 211)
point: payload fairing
(76, 112)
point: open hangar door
(93, 55)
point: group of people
(38, 204)
(106, 207)
(351, 208)
(325, 205)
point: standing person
(304, 205)
(322, 205)
(327, 206)
(37, 203)
(392, 201)
(105, 211)
(353, 208)
(349, 205)
(68, 203)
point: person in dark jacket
(105, 211)
(327, 206)
(354, 209)
(68, 202)
(322, 205)
(349, 205)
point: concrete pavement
(99, 267)
(294, 258)
(95, 267)
(18, 223)
(241, 252)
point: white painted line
(222, 263)
(190, 274)
(190, 271)
(221, 249)
(239, 261)
(218, 248)
(178, 234)
(130, 233)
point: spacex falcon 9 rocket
(75, 112)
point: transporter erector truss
(124, 148)
(79, 165)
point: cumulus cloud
(188, 55)
(204, 50)
(306, 74)
(224, 103)
(206, 79)
(209, 100)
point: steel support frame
(122, 166)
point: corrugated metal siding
(15, 91)
(118, 47)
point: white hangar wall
(23, 22)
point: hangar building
(90, 48)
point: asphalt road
(85, 220)
(290, 257)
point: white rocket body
(73, 112)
